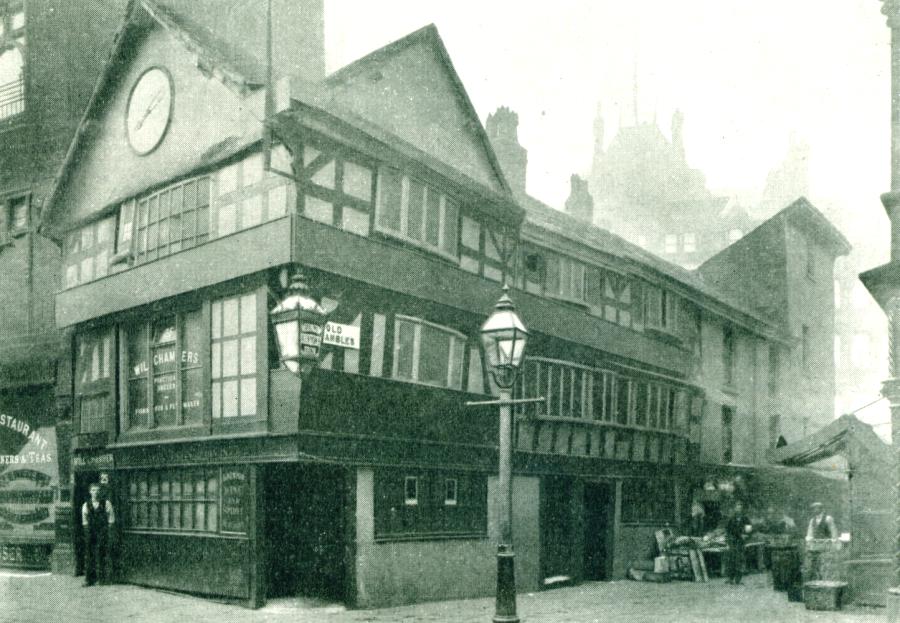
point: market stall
(861, 555)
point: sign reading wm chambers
(29, 480)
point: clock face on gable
(149, 110)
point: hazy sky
(746, 75)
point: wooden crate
(823, 595)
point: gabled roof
(806, 216)
(546, 218)
(139, 14)
(342, 86)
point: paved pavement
(45, 598)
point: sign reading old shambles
(235, 496)
(343, 335)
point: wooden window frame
(457, 348)
(260, 337)
(101, 387)
(146, 326)
(449, 210)
(567, 279)
(156, 208)
(431, 517)
(729, 356)
(136, 497)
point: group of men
(739, 527)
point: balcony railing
(12, 98)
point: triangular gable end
(411, 89)
(212, 115)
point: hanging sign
(343, 335)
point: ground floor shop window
(210, 500)
(646, 500)
(423, 503)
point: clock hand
(150, 108)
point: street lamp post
(504, 338)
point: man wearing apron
(96, 519)
(821, 527)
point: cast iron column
(505, 610)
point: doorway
(558, 530)
(599, 508)
(305, 531)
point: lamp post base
(505, 609)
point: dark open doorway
(599, 505)
(305, 531)
(558, 529)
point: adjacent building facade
(51, 53)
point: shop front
(239, 520)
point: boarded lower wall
(401, 572)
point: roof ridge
(429, 34)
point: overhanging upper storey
(404, 105)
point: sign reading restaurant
(29, 479)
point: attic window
(12, 58)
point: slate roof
(540, 215)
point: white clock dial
(149, 109)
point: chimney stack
(502, 130)
(580, 204)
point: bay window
(417, 213)
(572, 390)
(427, 353)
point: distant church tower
(502, 130)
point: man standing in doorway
(97, 518)
(737, 527)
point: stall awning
(847, 436)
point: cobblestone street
(28, 598)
